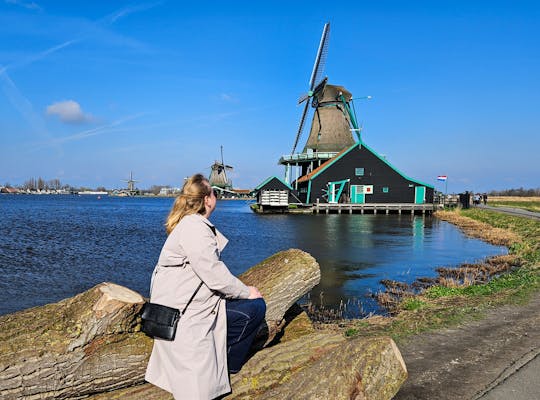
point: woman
(214, 335)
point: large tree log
(362, 369)
(68, 348)
(316, 366)
(282, 279)
(90, 343)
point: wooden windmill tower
(332, 123)
(218, 174)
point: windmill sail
(316, 74)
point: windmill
(218, 174)
(131, 183)
(333, 118)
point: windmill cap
(331, 93)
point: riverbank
(459, 341)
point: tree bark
(66, 349)
(91, 343)
(316, 366)
(361, 369)
(282, 279)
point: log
(68, 348)
(361, 369)
(282, 279)
(91, 343)
(316, 366)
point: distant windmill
(333, 119)
(218, 174)
(130, 182)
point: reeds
(321, 314)
(464, 275)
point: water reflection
(357, 251)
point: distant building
(9, 190)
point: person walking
(214, 335)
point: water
(53, 247)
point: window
(385, 189)
(359, 171)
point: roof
(269, 179)
(328, 163)
(324, 165)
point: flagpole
(446, 186)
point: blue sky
(90, 91)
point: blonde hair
(190, 200)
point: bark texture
(282, 279)
(69, 348)
(361, 369)
(316, 366)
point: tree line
(520, 192)
(55, 184)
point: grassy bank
(449, 303)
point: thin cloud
(69, 111)
(100, 130)
(25, 4)
(21, 103)
(228, 98)
(108, 20)
(115, 16)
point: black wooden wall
(376, 173)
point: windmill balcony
(309, 156)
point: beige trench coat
(194, 365)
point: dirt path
(469, 361)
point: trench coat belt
(174, 266)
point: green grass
(521, 281)
(533, 206)
(413, 303)
(529, 230)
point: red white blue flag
(442, 178)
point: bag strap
(192, 296)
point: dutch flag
(442, 178)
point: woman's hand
(254, 293)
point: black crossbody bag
(159, 321)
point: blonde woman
(214, 335)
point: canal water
(53, 247)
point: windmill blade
(319, 87)
(303, 98)
(320, 60)
(301, 126)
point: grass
(449, 305)
(525, 203)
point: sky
(92, 91)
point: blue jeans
(244, 317)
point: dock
(371, 208)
